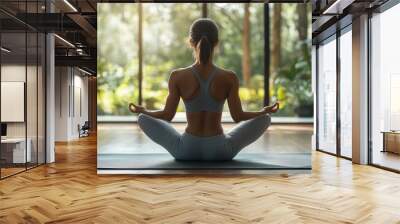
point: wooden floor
(70, 191)
(128, 138)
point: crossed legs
(164, 134)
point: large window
(334, 88)
(327, 95)
(117, 58)
(290, 56)
(241, 47)
(165, 47)
(346, 93)
(139, 45)
(385, 89)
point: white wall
(71, 94)
(33, 126)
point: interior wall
(62, 81)
(71, 102)
(15, 73)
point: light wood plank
(70, 191)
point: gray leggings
(189, 147)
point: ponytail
(204, 50)
(203, 37)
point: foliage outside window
(241, 49)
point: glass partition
(15, 149)
(385, 89)
(23, 91)
(32, 97)
(41, 97)
(327, 96)
(346, 93)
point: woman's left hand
(273, 108)
(136, 108)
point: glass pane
(13, 86)
(385, 83)
(117, 66)
(163, 53)
(346, 94)
(290, 57)
(32, 98)
(233, 48)
(41, 98)
(327, 96)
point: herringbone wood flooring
(70, 191)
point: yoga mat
(243, 161)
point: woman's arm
(235, 105)
(171, 104)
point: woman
(204, 88)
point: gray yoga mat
(243, 161)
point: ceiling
(330, 15)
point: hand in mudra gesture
(136, 108)
(272, 108)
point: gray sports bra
(203, 101)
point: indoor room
(137, 53)
(177, 111)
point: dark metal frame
(140, 53)
(202, 1)
(338, 76)
(267, 54)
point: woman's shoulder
(227, 72)
(223, 72)
(178, 71)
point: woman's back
(204, 90)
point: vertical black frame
(338, 100)
(140, 53)
(316, 97)
(267, 54)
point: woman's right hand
(136, 108)
(272, 109)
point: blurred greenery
(165, 31)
